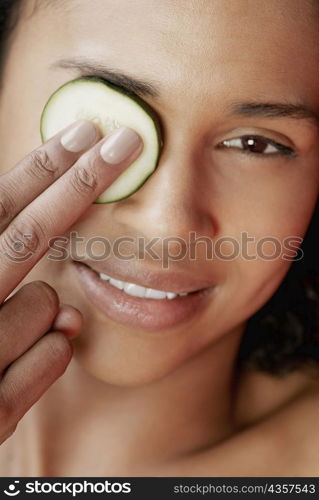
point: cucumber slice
(93, 99)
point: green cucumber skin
(135, 98)
(96, 202)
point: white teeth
(140, 291)
(117, 283)
(104, 276)
(154, 294)
(135, 290)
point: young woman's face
(223, 70)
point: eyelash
(281, 150)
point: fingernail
(80, 137)
(120, 145)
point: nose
(173, 202)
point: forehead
(204, 43)
(174, 18)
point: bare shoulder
(292, 432)
(280, 441)
(276, 435)
(261, 395)
(282, 424)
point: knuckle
(40, 164)
(12, 403)
(84, 179)
(22, 238)
(7, 207)
(59, 349)
(47, 295)
(7, 411)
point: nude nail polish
(120, 145)
(80, 137)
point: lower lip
(149, 314)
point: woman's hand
(41, 197)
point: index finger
(56, 209)
(40, 168)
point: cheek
(263, 218)
(269, 200)
(254, 282)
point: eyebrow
(276, 110)
(126, 82)
(146, 88)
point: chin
(122, 357)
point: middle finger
(51, 214)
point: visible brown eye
(257, 144)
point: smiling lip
(131, 272)
(144, 313)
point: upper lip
(131, 272)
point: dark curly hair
(9, 10)
(284, 334)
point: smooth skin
(133, 402)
